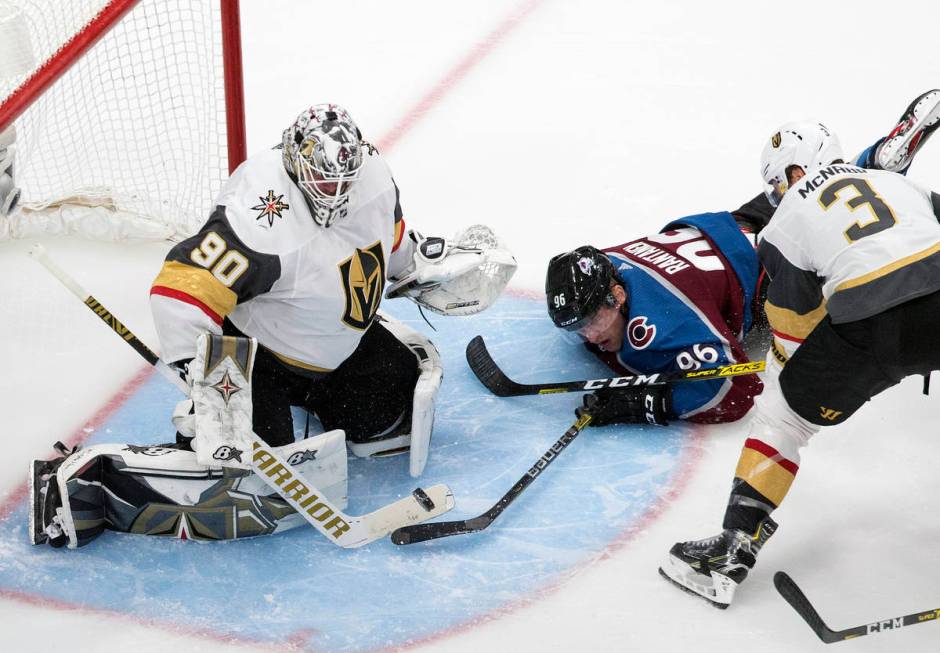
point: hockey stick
(347, 531)
(499, 384)
(496, 381)
(794, 595)
(432, 531)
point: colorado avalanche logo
(640, 333)
(586, 265)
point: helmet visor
(775, 188)
(599, 323)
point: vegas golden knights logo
(363, 276)
(775, 139)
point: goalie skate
(916, 125)
(713, 568)
(45, 501)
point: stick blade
(794, 596)
(433, 531)
(409, 510)
(488, 372)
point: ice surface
(558, 124)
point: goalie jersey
(306, 292)
(690, 292)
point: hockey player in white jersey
(291, 266)
(854, 305)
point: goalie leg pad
(421, 420)
(157, 490)
(221, 392)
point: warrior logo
(301, 456)
(148, 450)
(270, 207)
(640, 333)
(228, 453)
(776, 139)
(363, 276)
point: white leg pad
(431, 373)
(179, 476)
(221, 392)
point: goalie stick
(347, 531)
(496, 381)
(794, 596)
(499, 384)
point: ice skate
(714, 567)
(45, 500)
(916, 125)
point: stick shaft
(39, 253)
(497, 382)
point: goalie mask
(323, 152)
(803, 143)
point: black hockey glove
(648, 404)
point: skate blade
(716, 589)
(35, 535)
(900, 147)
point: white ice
(586, 122)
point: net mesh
(135, 128)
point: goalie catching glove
(460, 276)
(649, 404)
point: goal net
(118, 118)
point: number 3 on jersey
(226, 265)
(867, 196)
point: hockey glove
(648, 404)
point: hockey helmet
(577, 284)
(323, 152)
(802, 143)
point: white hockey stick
(347, 531)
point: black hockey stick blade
(436, 530)
(496, 381)
(794, 595)
(415, 533)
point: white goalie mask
(802, 143)
(323, 151)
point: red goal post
(125, 116)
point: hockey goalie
(274, 304)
